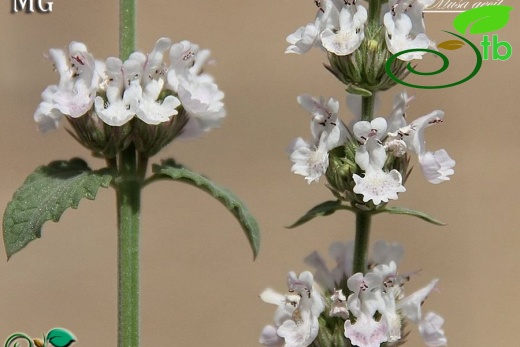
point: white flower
(203, 102)
(430, 326)
(80, 76)
(363, 303)
(338, 307)
(431, 331)
(347, 35)
(436, 166)
(151, 111)
(196, 90)
(376, 185)
(309, 160)
(123, 92)
(136, 87)
(269, 337)
(397, 118)
(119, 110)
(375, 128)
(338, 27)
(414, 9)
(133, 88)
(46, 115)
(410, 306)
(366, 332)
(303, 39)
(376, 306)
(296, 318)
(325, 124)
(399, 37)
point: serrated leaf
(45, 195)
(324, 209)
(59, 337)
(482, 20)
(410, 212)
(171, 169)
(451, 45)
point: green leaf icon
(482, 20)
(177, 172)
(59, 337)
(451, 45)
(45, 195)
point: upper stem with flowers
(366, 163)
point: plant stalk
(367, 107)
(127, 28)
(363, 219)
(128, 192)
(374, 11)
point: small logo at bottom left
(57, 337)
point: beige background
(199, 283)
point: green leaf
(352, 89)
(45, 195)
(324, 209)
(482, 20)
(410, 212)
(171, 169)
(60, 337)
(451, 45)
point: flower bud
(342, 167)
(339, 173)
(102, 139)
(149, 138)
(364, 70)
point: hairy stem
(128, 191)
(374, 11)
(367, 107)
(363, 219)
(127, 24)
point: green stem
(374, 11)
(127, 24)
(128, 191)
(363, 219)
(367, 107)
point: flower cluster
(372, 155)
(96, 96)
(366, 164)
(338, 308)
(339, 28)
(296, 318)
